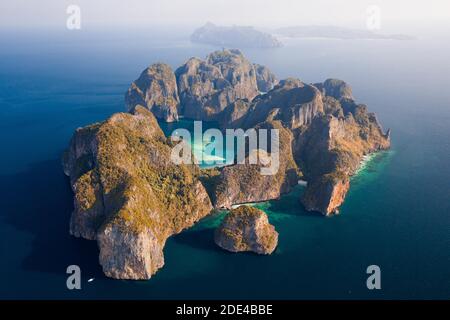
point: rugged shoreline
(130, 197)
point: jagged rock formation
(244, 183)
(207, 87)
(246, 229)
(156, 89)
(129, 196)
(331, 134)
(265, 79)
(234, 36)
(200, 89)
(292, 102)
(326, 193)
(330, 131)
(330, 150)
(335, 88)
(233, 115)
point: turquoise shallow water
(206, 158)
(396, 215)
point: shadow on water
(39, 201)
(198, 239)
(288, 204)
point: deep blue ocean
(396, 215)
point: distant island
(334, 32)
(234, 36)
(130, 197)
(249, 37)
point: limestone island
(335, 32)
(234, 36)
(129, 196)
(246, 229)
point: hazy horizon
(399, 16)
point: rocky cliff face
(292, 102)
(326, 193)
(331, 132)
(156, 89)
(200, 89)
(244, 183)
(207, 87)
(129, 196)
(265, 79)
(129, 255)
(330, 150)
(234, 115)
(335, 88)
(246, 229)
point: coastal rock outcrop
(335, 88)
(246, 229)
(129, 196)
(156, 89)
(129, 255)
(326, 193)
(329, 151)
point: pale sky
(261, 13)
